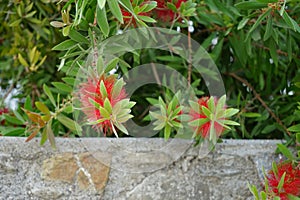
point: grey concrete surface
(131, 168)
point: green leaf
(49, 95)
(146, 19)
(167, 132)
(206, 112)
(254, 191)
(117, 88)
(250, 5)
(148, 6)
(57, 24)
(50, 135)
(269, 28)
(27, 104)
(69, 123)
(230, 112)
(104, 113)
(103, 90)
(62, 87)
(115, 9)
(281, 182)
(195, 106)
(102, 21)
(112, 64)
(107, 105)
(242, 23)
(44, 137)
(273, 52)
(251, 115)
(65, 45)
(16, 22)
(121, 127)
(13, 131)
(291, 22)
(268, 129)
(229, 122)
(13, 120)
(22, 60)
(42, 107)
(76, 36)
(199, 122)
(258, 22)
(285, 151)
(101, 3)
(282, 8)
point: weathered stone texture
(130, 168)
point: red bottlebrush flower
(291, 185)
(204, 129)
(3, 111)
(164, 13)
(89, 92)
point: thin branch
(278, 51)
(95, 49)
(257, 96)
(189, 78)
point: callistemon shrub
(283, 181)
(103, 100)
(209, 117)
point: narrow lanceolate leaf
(102, 21)
(44, 137)
(103, 90)
(115, 9)
(290, 22)
(230, 112)
(195, 106)
(250, 5)
(121, 127)
(242, 23)
(295, 128)
(285, 151)
(117, 88)
(34, 117)
(50, 135)
(107, 105)
(65, 45)
(281, 182)
(101, 3)
(62, 87)
(167, 132)
(33, 134)
(42, 107)
(69, 123)
(104, 113)
(269, 28)
(198, 122)
(22, 60)
(76, 36)
(258, 22)
(49, 94)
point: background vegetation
(255, 45)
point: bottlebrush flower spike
(105, 104)
(283, 180)
(209, 117)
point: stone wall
(131, 168)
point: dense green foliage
(255, 45)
